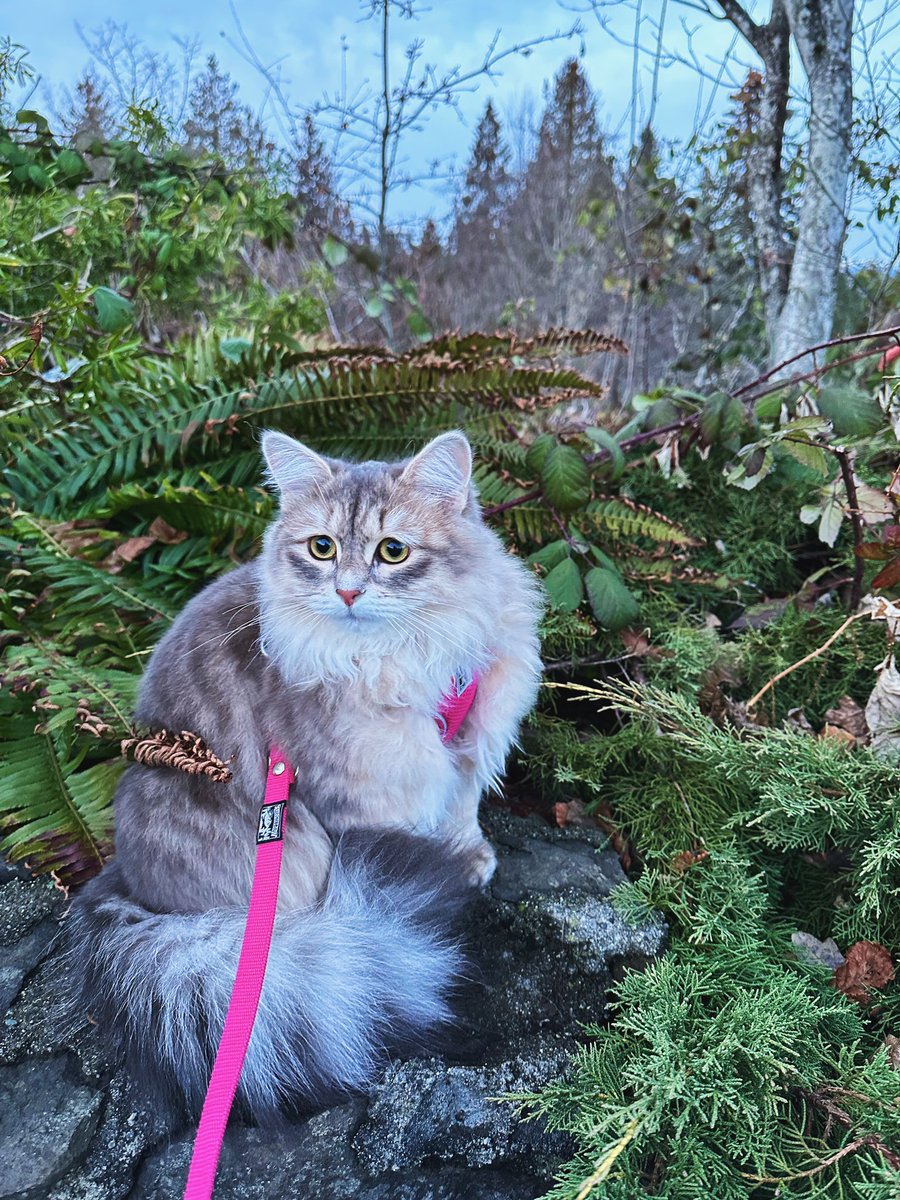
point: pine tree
(90, 115)
(569, 136)
(487, 182)
(557, 257)
(219, 123)
(314, 181)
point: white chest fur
(393, 767)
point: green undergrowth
(733, 1068)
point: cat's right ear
(293, 467)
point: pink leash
(251, 969)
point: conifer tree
(90, 114)
(219, 123)
(487, 182)
(314, 183)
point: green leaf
(551, 555)
(71, 167)
(564, 585)
(613, 604)
(853, 412)
(28, 116)
(807, 454)
(768, 408)
(235, 348)
(374, 306)
(721, 418)
(566, 479)
(539, 451)
(606, 441)
(114, 312)
(32, 173)
(335, 253)
(418, 325)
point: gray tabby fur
(382, 838)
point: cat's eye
(391, 550)
(322, 547)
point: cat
(378, 584)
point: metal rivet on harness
(278, 769)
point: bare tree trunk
(766, 100)
(822, 31)
(799, 290)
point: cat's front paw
(481, 863)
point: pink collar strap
(452, 711)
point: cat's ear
(292, 466)
(443, 469)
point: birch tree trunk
(822, 31)
(799, 289)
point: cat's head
(372, 556)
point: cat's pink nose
(348, 595)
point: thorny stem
(843, 457)
(690, 421)
(891, 331)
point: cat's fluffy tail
(368, 971)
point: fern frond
(53, 816)
(120, 440)
(213, 510)
(572, 342)
(65, 690)
(623, 518)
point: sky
(312, 45)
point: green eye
(322, 547)
(390, 550)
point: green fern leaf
(53, 816)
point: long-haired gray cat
(377, 583)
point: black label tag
(271, 823)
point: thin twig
(605, 1165)
(593, 660)
(891, 331)
(754, 700)
(843, 457)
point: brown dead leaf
(888, 576)
(848, 716)
(572, 813)
(686, 859)
(835, 734)
(637, 644)
(798, 721)
(163, 532)
(133, 548)
(892, 1045)
(868, 966)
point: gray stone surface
(47, 1120)
(545, 942)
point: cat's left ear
(292, 466)
(443, 469)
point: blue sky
(305, 37)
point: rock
(310, 1159)
(424, 1110)
(47, 1120)
(545, 943)
(21, 957)
(25, 903)
(128, 1125)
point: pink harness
(251, 969)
